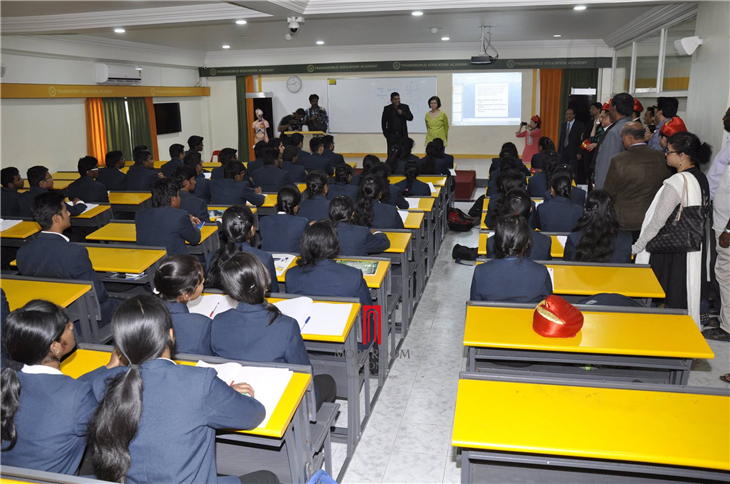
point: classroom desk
(57, 184)
(223, 208)
(400, 251)
(557, 247)
(126, 231)
(130, 201)
(527, 430)
(286, 424)
(427, 205)
(18, 475)
(66, 175)
(415, 221)
(19, 234)
(330, 354)
(437, 180)
(96, 217)
(621, 344)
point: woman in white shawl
(679, 274)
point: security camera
(294, 24)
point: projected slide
(487, 99)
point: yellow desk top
(84, 361)
(424, 204)
(437, 180)
(125, 169)
(120, 232)
(23, 230)
(589, 280)
(318, 133)
(128, 198)
(373, 281)
(57, 184)
(600, 423)
(302, 187)
(398, 241)
(66, 175)
(414, 220)
(212, 164)
(437, 193)
(135, 261)
(634, 334)
(340, 338)
(20, 292)
(94, 212)
(557, 249)
(270, 200)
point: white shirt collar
(280, 213)
(55, 233)
(40, 370)
(168, 359)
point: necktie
(567, 133)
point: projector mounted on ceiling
(484, 57)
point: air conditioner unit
(118, 74)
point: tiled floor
(408, 437)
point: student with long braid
(315, 206)
(282, 231)
(370, 212)
(412, 186)
(342, 184)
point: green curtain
(139, 122)
(576, 78)
(117, 129)
(242, 118)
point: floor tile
(406, 467)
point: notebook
(368, 267)
(89, 206)
(211, 305)
(6, 224)
(282, 262)
(562, 239)
(324, 319)
(413, 202)
(269, 384)
(403, 214)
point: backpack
(462, 252)
(476, 209)
(458, 221)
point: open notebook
(282, 262)
(412, 202)
(89, 206)
(268, 384)
(211, 305)
(316, 318)
(6, 224)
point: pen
(213, 311)
(232, 381)
(308, 318)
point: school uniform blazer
(491, 209)
(255, 165)
(140, 179)
(170, 166)
(315, 208)
(51, 422)
(88, 190)
(26, 203)
(356, 240)
(192, 331)
(10, 202)
(296, 171)
(244, 333)
(557, 214)
(334, 158)
(386, 216)
(4, 311)
(50, 255)
(282, 232)
(328, 278)
(537, 184)
(397, 199)
(442, 167)
(540, 249)
(301, 154)
(621, 253)
(166, 227)
(217, 172)
(181, 408)
(194, 206)
(271, 178)
(337, 189)
(316, 162)
(202, 188)
(492, 188)
(449, 159)
(113, 178)
(226, 191)
(577, 195)
(266, 258)
(418, 188)
(511, 280)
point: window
(647, 64)
(677, 67)
(622, 71)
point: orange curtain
(153, 127)
(551, 82)
(249, 117)
(95, 131)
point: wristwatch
(726, 231)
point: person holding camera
(531, 132)
(316, 117)
(291, 122)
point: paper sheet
(367, 267)
(89, 206)
(452, 171)
(6, 224)
(433, 188)
(207, 175)
(211, 305)
(403, 214)
(316, 318)
(538, 201)
(297, 308)
(562, 239)
(552, 277)
(269, 384)
(412, 202)
(282, 262)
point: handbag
(683, 231)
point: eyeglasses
(667, 152)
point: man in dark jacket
(11, 183)
(177, 153)
(86, 188)
(112, 176)
(271, 177)
(41, 181)
(571, 136)
(393, 122)
(142, 175)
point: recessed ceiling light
(579, 7)
(320, 42)
(119, 31)
(241, 22)
(444, 38)
(226, 46)
(417, 13)
(557, 35)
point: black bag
(459, 221)
(462, 252)
(316, 126)
(683, 231)
(476, 210)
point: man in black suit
(112, 176)
(185, 177)
(315, 161)
(571, 136)
(271, 177)
(329, 151)
(394, 120)
(142, 175)
(86, 188)
(11, 183)
(177, 153)
(41, 181)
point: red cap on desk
(673, 126)
(555, 317)
(536, 118)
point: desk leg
(353, 393)
(294, 449)
(328, 453)
(383, 346)
(405, 293)
(466, 469)
(472, 359)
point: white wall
(192, 121)
(223, 113)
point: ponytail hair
(178, 275)
(429, 162)
(371, 191)
(512, 237)
(395, 154)
(368, 162)
(287, 200)
(515, 202)
(382, 171)
(343, 173)
(550, 162)
(562, 184)
(341, 209)
(316, 181)
(411, 172)
(27, 335)
(507, 181)
(141, 328)
(246, 279)
(600, 229)
(689, 144)
(237, 222)
(319, 242)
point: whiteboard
(356, 105)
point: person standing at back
(86, 188)
(622, 105)
(316, 117)
(634, 178)
(141, 176)
(666, 109)
(394, 120)
(112, 176)
(437, 123)
(571, 136)
(177, 154)
(11, 183)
